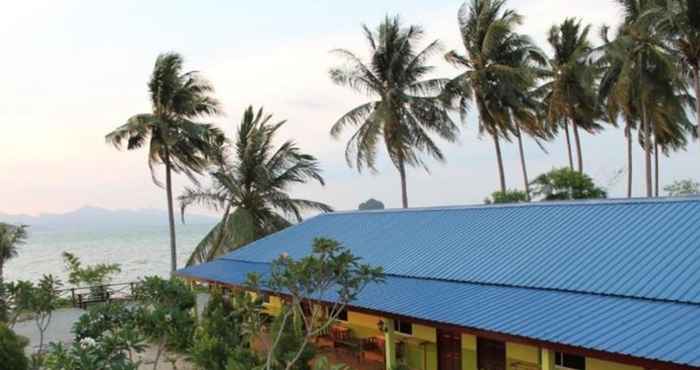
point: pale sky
(74, 70)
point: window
(567, 361)
(343, 315)
(403, 327)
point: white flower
(168, 318)
(87, 342)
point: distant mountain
(100, 218)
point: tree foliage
(508, 196)
(566, 184)
(370, 204)
(12, 348)
(251, 187)
(405, 110)
(685, 187)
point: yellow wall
(595, 364)
(468, 352)
(520, 356)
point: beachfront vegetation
(11, 237)
(12, 350)
(405, 109)
(93, 275)
(250, 185)
(565, 184)
(174, 139)
(681, 188)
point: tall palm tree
(569, 93)
(11, 236)
(173, 138)
(497, 72)
(684, 33)
(405, 109)
(251, 187)
(648, 70)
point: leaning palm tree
(173, 138)
(11, 236)
(405, 109)
(250, 186)
(569, 93)
(497, 72)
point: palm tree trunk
(404, 192)
(3, 305)
(171, 215)
(628, 134)
(647, 151)
(499, 159)
(656, 167)
(522, 161)
(568, 144)
(579, 155)
(697, 98)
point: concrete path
(59, 329)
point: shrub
(12, 349)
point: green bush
(219, 332)
(12, 350)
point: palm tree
(174, 140)
(11, 236)
(569, 93)
(647, 70)
(498, 73)
(251, 187)
(405, 109)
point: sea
(140, 251)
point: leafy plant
(566, 184)
(12, 350)
(681, 188)
(11, 236)
(79, 275)
(89, 354)
(165, 314)
(508, 196)
(43, 300)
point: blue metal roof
(637, 248)
(619, 276)
(656, 330)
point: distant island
(100, 218)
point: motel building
(589, 285)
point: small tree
(370, 204)
(94, 276)
(681, 188)
(330, 271)
(43, 301)
(508, 196)
(166, 314)
(18, 300)
(565, 184)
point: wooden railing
(81, 297)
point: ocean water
(140, 251)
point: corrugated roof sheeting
(640, 248)
(663, 331)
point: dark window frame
(565, 360)
(403, 327)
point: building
(594, 285)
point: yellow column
(546, 359)
(389, 344)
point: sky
(74, 70)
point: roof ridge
(558, 203)
(513, 286)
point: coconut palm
(569, 91)
(647, 71)
(250, 186)
(497, 72)
(11, 236)
(173, 138)
(405, 109)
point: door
(449, 350)
(490, 354)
